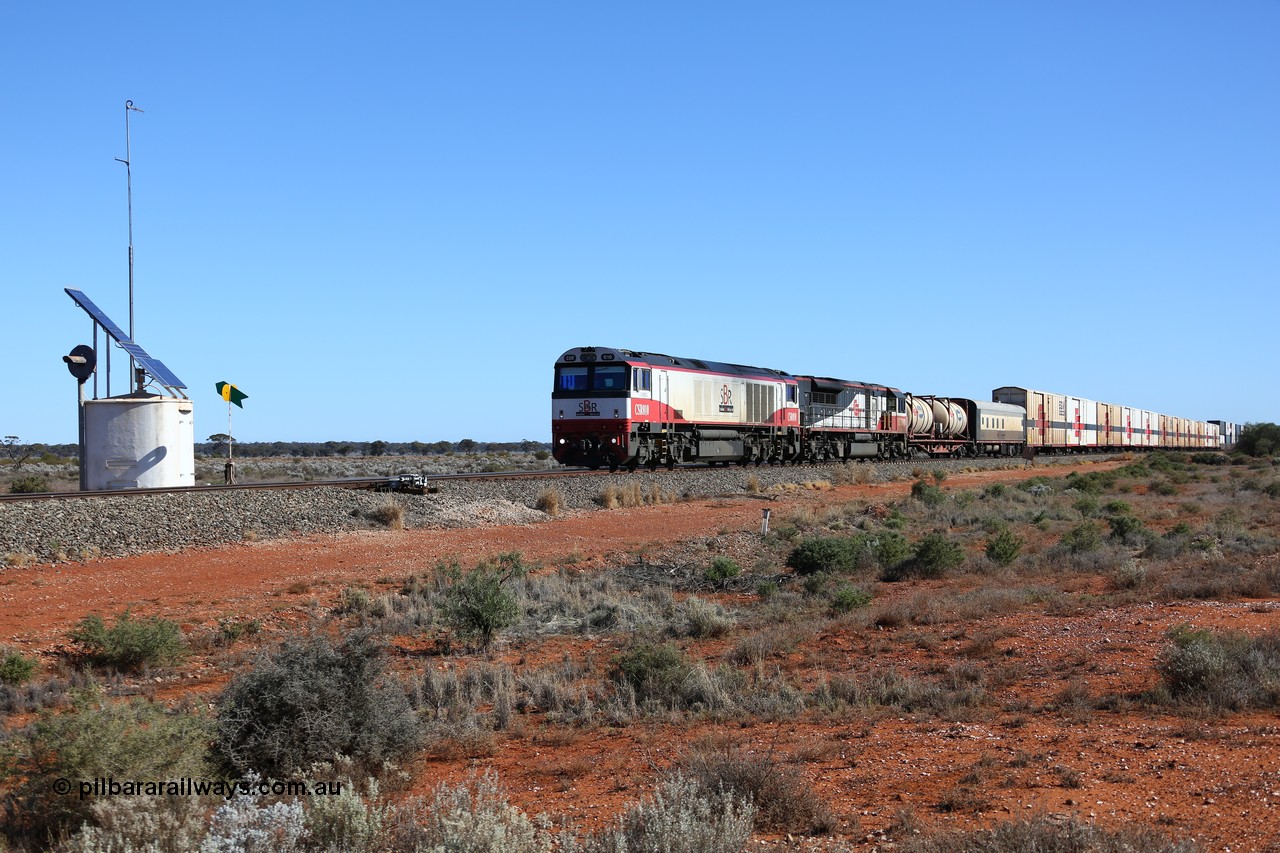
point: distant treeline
(366, 448)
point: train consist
(620, 408)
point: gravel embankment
(76, 529)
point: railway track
(429, 483)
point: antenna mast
(128, 171)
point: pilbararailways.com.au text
(189, 787)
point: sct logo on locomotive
(726, 400)
(587, 409)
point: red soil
(1214, 779)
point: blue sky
(386, 221)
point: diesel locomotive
(623, 408)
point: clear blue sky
(386, 220)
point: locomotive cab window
(791, 393)
(640, 378)
(612, 377)
(571, 378)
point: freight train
(622, 408)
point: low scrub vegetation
(310, 700)
(852, 623)
(130, 643)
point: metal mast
(128, 171)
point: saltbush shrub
(480, 603)
(846, 597)
(825, 554)
(31, 484)
(16, 668)
(1047, 834)
(94, 739)
(784, 800)
(721, 569)
(1224, 671)
(1081, 539)
(652, 671)
(1003, 548)
(928, 494)
(310, 700)
(130, 643)
(681, 816)
(933, 556)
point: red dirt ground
(1214, 779)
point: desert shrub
(890, 549)
(1003, 548)
(1047, 834)
(473, 817)
(995, 490)
(652, 671)
(1117, 507)
(681, 816)
(29, 485)
(1091, 482)
(846, 597)
(784, 800)
(721, 569)
(143, 824)
(847, 553)
(252, 823)
(310, 700)
(927, 494)
(16, 668)
(94, 739)
(389, 514)
(825, 554)
(701, 618)
(1272, 489)
(1086, 506)
(1210, 459)
(480, 603)
(1081, 539)
(1126, 527)
(933, 556)
(1037, 485)
(129, 643)
(1223, 671)
(542, 455)
(550, 502)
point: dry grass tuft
(550, 502)
(390, 515)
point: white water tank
(139, 441)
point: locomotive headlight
(613, 441)
(562, 441)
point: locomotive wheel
(633, 465)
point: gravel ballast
(62, 530)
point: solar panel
(154, 366)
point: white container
(139, 441)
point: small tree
(467, 445)
(220, 441)
(1259, 439)
(377, 448)
(19, 452)
(479, 603)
